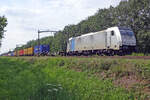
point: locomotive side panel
(92, 41)
(99, 41)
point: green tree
(3, 24)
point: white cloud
(25, 17)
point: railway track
(112, 57)
(130, 57)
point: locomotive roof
(92, 33)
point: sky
(25, 17)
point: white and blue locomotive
(112, 41)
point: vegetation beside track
(139, 54)
(72, 79)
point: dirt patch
(127, 81)
(134, 83)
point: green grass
(55, 79)
(139, 54)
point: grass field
(73, 79)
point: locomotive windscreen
(126, 32)
(127, 36)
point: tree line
(131, 13)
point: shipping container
(30, 51)
(25, 52)
(9, 54)
(42, 50)
(15, 53)
(12, 54)
(21, 52)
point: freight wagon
(12, 54)
(25, 52)
(115, 40)
(21, 52)
(17, 53)
(41, 50)
(30, 51)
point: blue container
(43, 50)
(12, 54)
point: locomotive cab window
(112, 33)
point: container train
(42, 50)
(112, 41)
